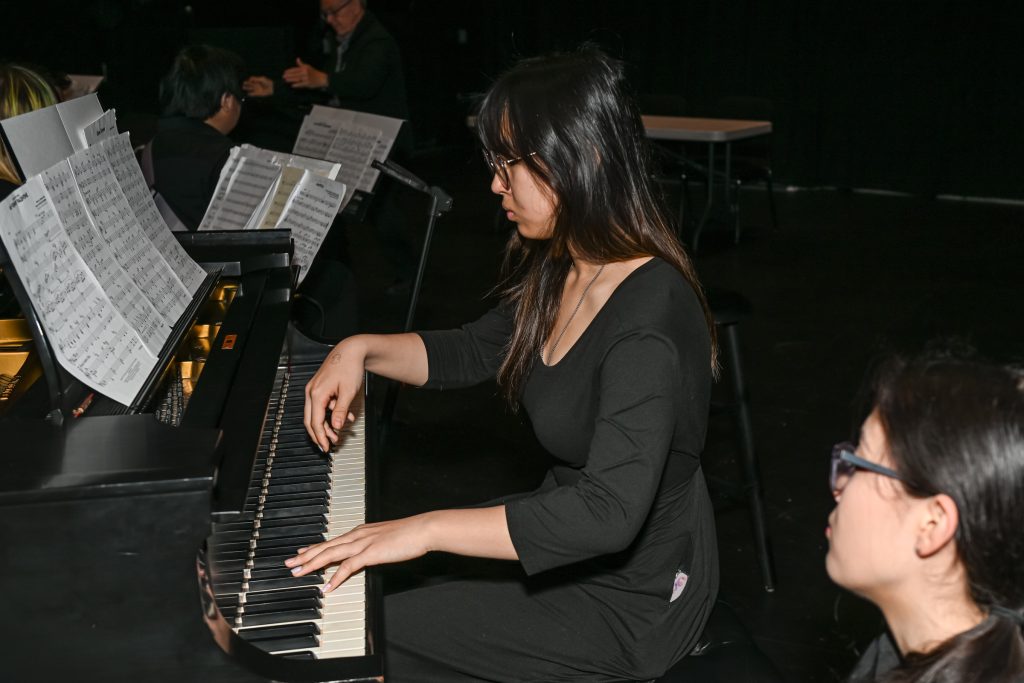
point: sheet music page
(102, 128)
(315, 137)
(322, 168)
(309, 212)
(90, 339)
(38, 140)
(121, 156)
(241, 190)
(290, 175)
(389, 128)
(353, 148)
(117, 224)
(124, 294)
(76, 114)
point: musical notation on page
(91, 340)
(122, 291)
(117, 223)
(353, 148)
(308, 213)
(315, 137)
(241, 191)
(102, 128)
(119, 153)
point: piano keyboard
(297, 497)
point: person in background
(357, 66)
(201, 98)
(22, 90)
(927, 522)
(604, 337)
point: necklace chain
(572, 315)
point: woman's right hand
(258, 86)
(331, 391)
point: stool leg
(749, 460)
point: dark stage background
(910, 95)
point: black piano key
(297, 511)
(315, 579)
(270, 632)
(271, 560)
(306, 487)
(281, 605)
(276, 544)
(280, 617)
(293, 643)
(300, 656)
(292, 499)
(272, 522)
(277, 596)
(291, 531)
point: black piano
(146, 543)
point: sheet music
(353, 148)
(389, 127)
(90, 339)
(309, 212)
(124, 294)
(322, 168)
(102, 128)
(315, 137)
(38, 140)
(290, 175)
(242, 188)
(117, 224)
(76, 114)
(119, 153)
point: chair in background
(729, 309)
(751, 159)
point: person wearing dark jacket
(359, 65)
(202, 102)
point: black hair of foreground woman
(927, 523)
(604, 338)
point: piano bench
(725, 653)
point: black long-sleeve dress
(617, 545)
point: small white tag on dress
(678, 584)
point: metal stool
(729, 308)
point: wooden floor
(846, 275)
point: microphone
(393, 170)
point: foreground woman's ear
(939, 520)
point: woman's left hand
(365, 546)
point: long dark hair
(568, 116)
(955, 424)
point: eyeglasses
(499, 165)
(325, 14)
(845, 462)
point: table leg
(732, 195)
(708, 201)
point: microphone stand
(440, 204)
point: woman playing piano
(603, 335)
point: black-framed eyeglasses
(499, 165)
(325, 14)
(845, 462)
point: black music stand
(440, 204)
